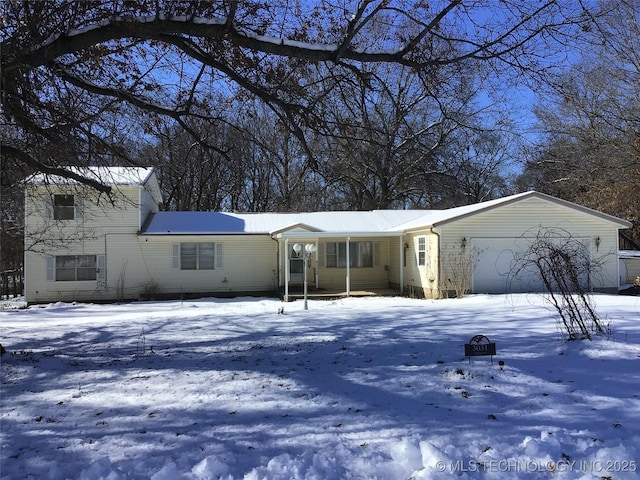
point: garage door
(494, 267)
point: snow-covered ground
(374, 388)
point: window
(422, 251)
(64, 207)
(361, 254)
(75, 268)
(197, 256)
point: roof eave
(334, 234)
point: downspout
(438, 260)
(277, 271)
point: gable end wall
(525, 218)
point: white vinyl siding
(420, 258)
(244, 263)
(110, 228)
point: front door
(296, 271)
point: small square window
(63, 207)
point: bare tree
(477, 159)
(591, 117)
(65, 65)
(11, 230)
(192, 176)
(276, 164)
(388, 131)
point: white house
(80, 245)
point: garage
(491, 237)
(494, 267)
(498, 266)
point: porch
(330, 294)
(336, 266)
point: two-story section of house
(81, 244)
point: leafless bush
(564, 265)
(458, 265)
(151, 290)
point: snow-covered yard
(353, 388)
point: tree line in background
(303, 106)
(589, 120)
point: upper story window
(422, 251)
(64, 207)
(361, 254)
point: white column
(315, 277)
(286, 270)
(348, 268)
(402, 264)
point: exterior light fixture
(309, 249)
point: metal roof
(361, 223)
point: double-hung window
(76, 268)
(64, 207)
(422, 251)
(361, 254)
(197, 256)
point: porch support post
(315, 270)
(286, 270)
(401, 263)
(348, 268)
